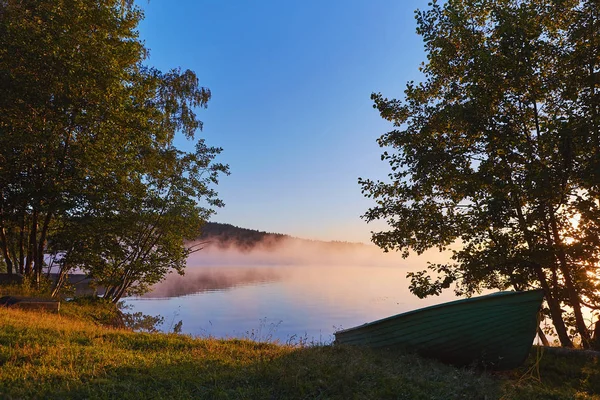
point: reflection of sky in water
(306, 301)
(203, 279)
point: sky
(291, 84)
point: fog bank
(293, 251)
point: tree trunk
(553, 304)
(117, 296)
(22, 245)
(543, 337)
(571, 291)
(595, 343)
(32, 248)
(62, 274)
(39, 262)
(109, 291)
(122, 289)
(555, 311)
(5, 252)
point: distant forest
(227, 235)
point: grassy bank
(65, 356)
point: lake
(257, 297)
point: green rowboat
(496, 330)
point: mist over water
(292, 251)
(293, 289)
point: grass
(557, 377)
(27, 288)
(66, 356)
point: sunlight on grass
(64, 356)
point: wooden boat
(496, 330)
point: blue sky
(290, 83)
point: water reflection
(308, 301)
(199, 280)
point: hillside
(227, 235)
(223, 236)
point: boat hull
(496, 330)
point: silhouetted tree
(497, 152)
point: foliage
(63, 70)
(27, 288)
(141, 322)
(495, 155)
(94, 310)
(89, 175)
(138, 321)
(225, 235)
(103, 312)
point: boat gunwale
(487, 297)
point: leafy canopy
(89, 175)
(495, 154)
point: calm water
(280, 302)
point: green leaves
(495, 150)
(89, 173)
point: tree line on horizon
(224, 236)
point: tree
(62, 67)
(88, 169)
(495, 154)
(128, 244)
